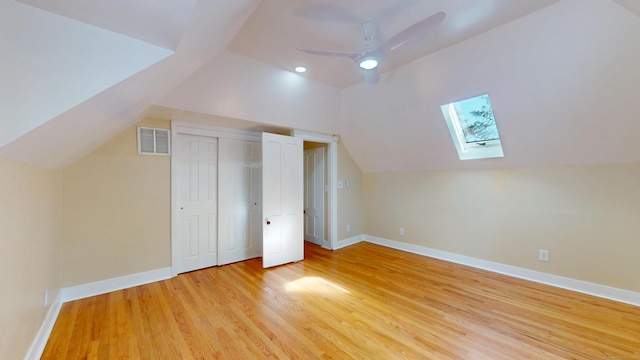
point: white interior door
(282, 200)
(314, 195)
(240, 232)
(197, 161)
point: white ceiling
(562, 75)
(277, 27)
(89, 121)
(632, 5)
(50, 64)
(158, 22)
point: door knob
(268, 222)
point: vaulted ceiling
(562, 75)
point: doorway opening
(315, 192)
(330, 183)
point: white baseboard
(114, 284)
(607, 292)
(348, 241)
(40, 341)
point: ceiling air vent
(153, 141)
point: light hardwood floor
(361, 302)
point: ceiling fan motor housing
(369, 31)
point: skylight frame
(482, 149)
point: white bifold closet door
(239, 215)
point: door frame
(186, 128)
(332, 178)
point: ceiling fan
(374, 52)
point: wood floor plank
(361, 302)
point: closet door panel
(239, 230)
(197, 191)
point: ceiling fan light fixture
(300, 69)
(368, 59)
(368, 62)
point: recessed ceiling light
(300, 69)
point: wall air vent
(153, 141)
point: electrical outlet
(543, 255)
(348, 227)
(401, 231)
(45, 301)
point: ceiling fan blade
(343, 14)
(372, 76)
(420, 28)
(328, 13)
(351, 55)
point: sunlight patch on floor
(314, 284)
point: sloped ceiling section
(276, 28)
(63, 139)
(51, 63)
(239, 87)
(158, 22)
(161, 112)
(563, 83)
(631, 5)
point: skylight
(473, 128)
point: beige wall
(116, 212)
(349, 199)
(586, 216)
(29, 252)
